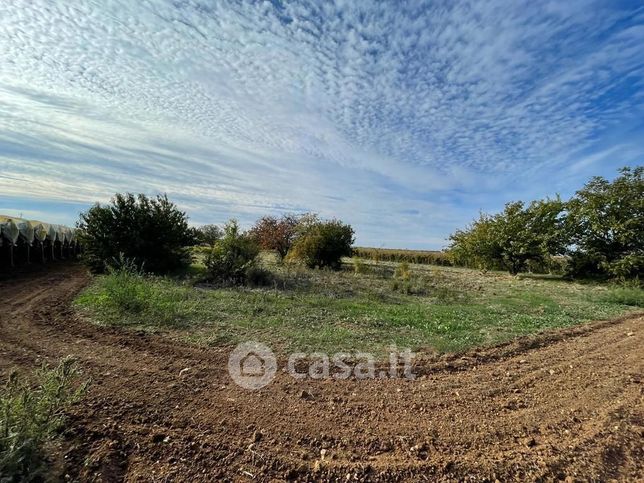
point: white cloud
(364, 110)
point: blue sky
(402, 118)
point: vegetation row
(598, 232)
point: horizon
(403, 120)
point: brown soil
(563, 405)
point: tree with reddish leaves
(277, 234)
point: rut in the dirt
(564, 404)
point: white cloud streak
(365, 110)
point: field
(162, 406)
(428, 257)
(365, 307)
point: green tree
(477, 246)
(511, 239)
(530, 234)
(207, 234)
(606, 223)
(151, 231)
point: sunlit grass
(442, 308)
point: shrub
(630, 265)
(277, 234)
(359, 267)
(259, 277)
(322, 244)
(232, 256)
(402, 271)
(150, 231)
(30, 416)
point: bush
(359, 267)
(630, 265)
(152, 232)
(408, 283)
(232, 256)
(402, 271)
(32, 416)
(259, 277)
(322, 244)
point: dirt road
(565, 405)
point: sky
(402, 118)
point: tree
(207, 234)
(276, 234)
(232, 256)
(606, 223)
(477, 246)
(531, 234)
(151, 231)
(322, 243)
(511, 239)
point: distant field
(431, 257)
(438, 308)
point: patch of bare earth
(563, 405)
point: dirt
(564, 405)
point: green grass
(437, 308)
(632, 296)
(31, 415)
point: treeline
(427, 257)
(598, 232)
(153, 235)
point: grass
(31, 415)
(358, 309)
(632, 296)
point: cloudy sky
(403, 118)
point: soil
(563, 405)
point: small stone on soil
(158, 438)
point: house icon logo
(252, 365)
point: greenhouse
(26, 241)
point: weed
(402, 271)
(359, 266)
(30, 416)
(129, 298)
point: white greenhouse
(23, 241)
